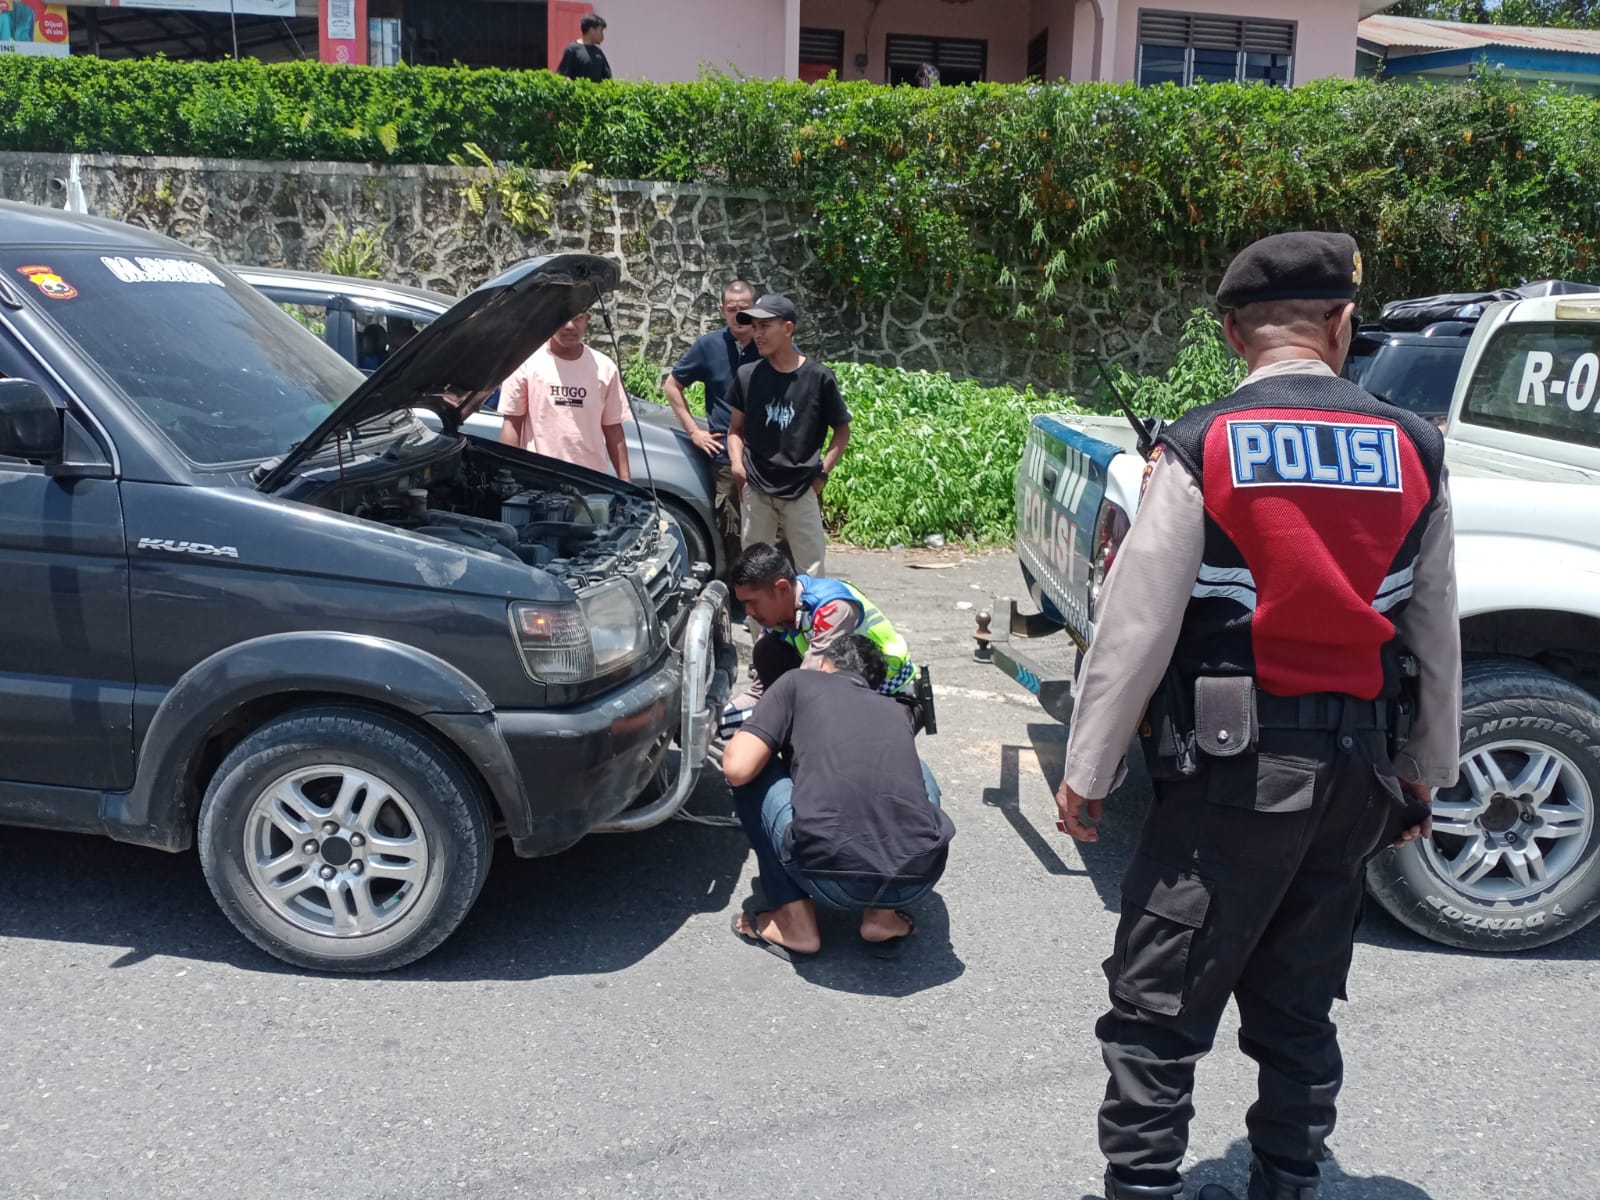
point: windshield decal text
(1577, 389)
(142, 269)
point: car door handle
(1050, 476)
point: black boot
(1267, 1182)
(1116, 1189)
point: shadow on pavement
(1103, 861)
(1233, 1171)
(600, 907)
(846, 963)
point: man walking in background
(584, 59)
(713, 360)
(782, 410)
(567, 402)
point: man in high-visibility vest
(800, 617)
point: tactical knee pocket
(1162, 908)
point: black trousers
(1247, 882)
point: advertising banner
(33, 27)
(342, 31)
(242, 8)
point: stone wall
(676, 243)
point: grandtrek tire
(342, 840)
(1514, 861)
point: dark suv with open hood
(251, 603)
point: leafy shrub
(358, 254)
(1463, 185)
(1205, 369)
(928, 454)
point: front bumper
(581, 767)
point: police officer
(801, 616)
(1280, 628)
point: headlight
(619, 628)
(569, 643)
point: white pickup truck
(1514, 860)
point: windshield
(1539, 379)
(219, 369)
(1420, 379)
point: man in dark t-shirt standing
(712, 361)
(782, 409)
(584, 59)
(838, 807)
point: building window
(1186, 48)
(821, 51)
(958, 60)
(1038, 54)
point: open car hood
(454, 364)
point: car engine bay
(581, 536)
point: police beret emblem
(1356, 278)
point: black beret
(1293, 266)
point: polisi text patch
(1329, 454)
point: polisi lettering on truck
(1314, 453)
(1577, 389)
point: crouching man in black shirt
(850, 816)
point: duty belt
(1321, 710)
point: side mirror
(31, 425)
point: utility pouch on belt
(1225, 720)
(1167, 734)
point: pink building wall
(671, 40)
(668, 40)
(1002, 23)
(1325, 40)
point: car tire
(341, 839)
(1514, 861)
(696, 539)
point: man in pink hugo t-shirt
(567, 402)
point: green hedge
(1446, 187)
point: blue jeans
(766, 812)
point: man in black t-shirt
(584, 59)
(781, 412)
(849, 817)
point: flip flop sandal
(754, 938)
(891, 947)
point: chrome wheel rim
(1521, 817)
(336, 851)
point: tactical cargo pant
(1247, 881)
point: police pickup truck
(1514, 861)
(253, 605)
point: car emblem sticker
(48, 282)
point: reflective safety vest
(870, 623)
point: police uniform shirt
(1148, 592)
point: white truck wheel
(1514, 861)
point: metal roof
(1417, 33)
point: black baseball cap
(770, 307)
(1293, 266)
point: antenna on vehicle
(616, 354)
(1147, 431)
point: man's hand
(1422, 794)
(818, 484)
(1072, 808)
(740, 475)
(708, 443)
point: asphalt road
(593, 1030)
